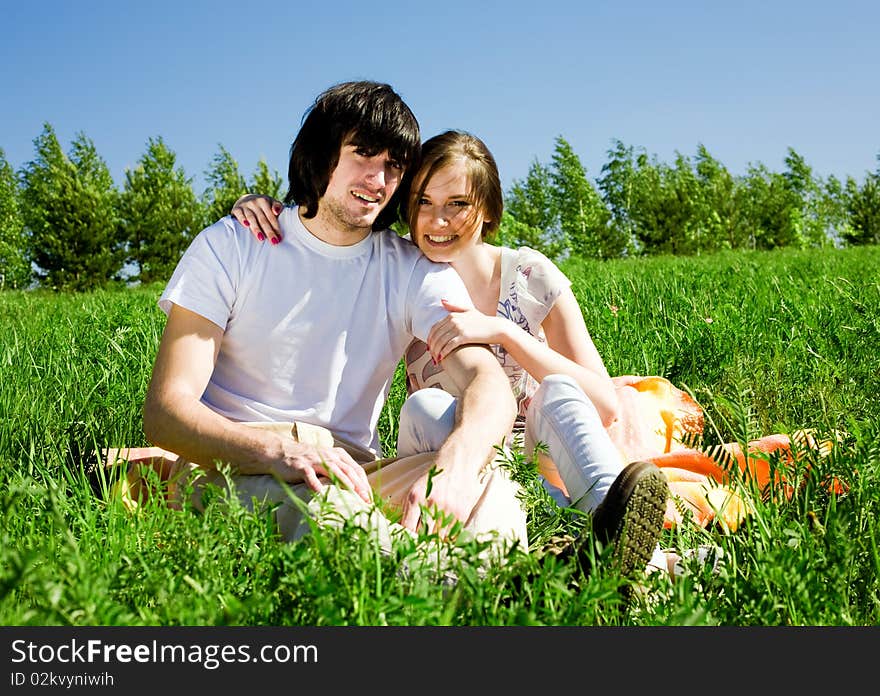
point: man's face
(359, 188)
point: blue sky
(746, 79)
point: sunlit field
(767, 342)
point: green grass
(793, 342)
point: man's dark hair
(369, 115)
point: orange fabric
(654, 418)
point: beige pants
(497, 517)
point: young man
(264, 343)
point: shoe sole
(631, 516)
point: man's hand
(260, 215)
(315, 465)
(454, 491)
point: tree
(811, 217)
(264, 181)
(616, 186)
(513, 233)
(834, 201)
(225, 186)
(531, 201)
(863, 208)
(15, 268)
(69, 213)
(772, 209)
(583, 217)
(158, 213)
(530, 216)
(560, 201)
(719, 206)
(663, 211)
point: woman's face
(448, 221)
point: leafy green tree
(557, 210)
(863, 208)
(811, 217)
(530, 216)
(15, 268)
(265, 181)
(531, 201)
(583, 217)
(158, 213)
(664, 206)
(720, 205)
(834, 209)
(514, 233)
(225, 186)
(772, 209)
(618, 177)
(69, 211)
(691, 234)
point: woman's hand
(461, 327)
(260, 215)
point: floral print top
(530, 285)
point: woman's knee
(558, 387)
(426, 419)
(560, 404)
(427, 404)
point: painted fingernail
(261, 236)
(275, 240)
(246, 223)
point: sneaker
(630, 518)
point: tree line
(65, 225)
(640, 205)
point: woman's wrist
(506, 333)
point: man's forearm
(187, 427)
(484, 417)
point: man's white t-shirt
(312, 332)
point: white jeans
(560, 415)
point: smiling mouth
(366, 197)
(440, 239)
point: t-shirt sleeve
(429, 283)
(540, 283)
(545, 282)
(207, 275)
